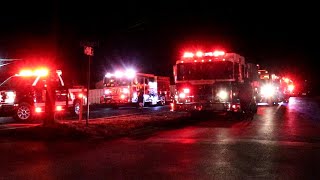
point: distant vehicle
(23, 95)
(274, 89)
(121, 88)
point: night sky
(151, 36)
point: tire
(24, 112)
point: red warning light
(218, 53)
(188, 55)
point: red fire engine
(212, 81)
(274, 89)
(122, 88)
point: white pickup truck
(23, 95)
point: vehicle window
(18, 82)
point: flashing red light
(199, 54)
(188, 55)
(186, 90)
(218, 53)
(37, 72)
(290, 87)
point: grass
(101, 128)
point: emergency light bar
(130, 73)
(37, 72)
(201, 54)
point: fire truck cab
(122, 88)
(211, 81)
(23, 95)
(273, 89)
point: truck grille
(204, 93)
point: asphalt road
(282, 142)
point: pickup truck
(23, 95)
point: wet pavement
(282, 142)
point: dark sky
(151, 36)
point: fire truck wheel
(24, 112)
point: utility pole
(88, 89)
(89, 52)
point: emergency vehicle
(273, 89)
(23, 95)
(211, 81)
(269, 88)
(122, 88)
(288, 87)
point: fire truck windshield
(18, 81)
(114, 82)
(205, 70)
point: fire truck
(268, 90)
(23, 95)
(211, 81)
(288, 88)
(121, 88)
(273, 89)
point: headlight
(10, 96)
(267, 90)
(222, 94)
